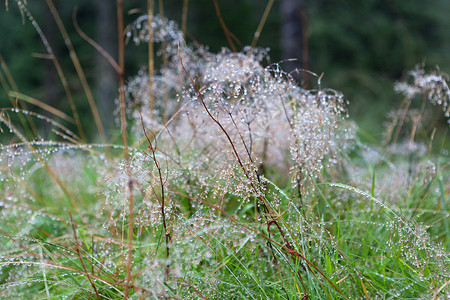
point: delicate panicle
(433, 85)
(264, 113)
(163, 30)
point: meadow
(228, 181)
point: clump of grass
(239, 184)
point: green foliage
(235, 184)
(363, 46)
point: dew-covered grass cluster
(236, 183)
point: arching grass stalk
(26, 121)
(58, 67)
(67, 193)
(224, 27)
(79, 69)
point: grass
(231, 183)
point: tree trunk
(294, 40)
(106, 79)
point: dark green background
(362, 47)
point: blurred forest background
(362, 47)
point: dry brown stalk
(79, 69)
(77, 249)
(151, 67)
(123, 128)
(224, 27)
